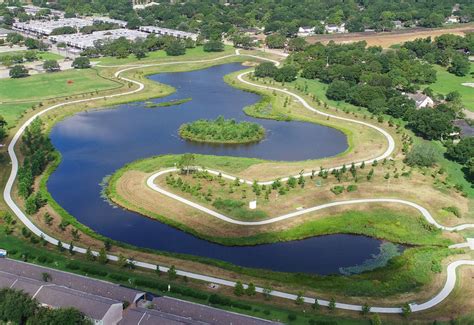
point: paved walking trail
(7, 194)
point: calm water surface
(95, 144)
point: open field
(447, 82)
(390, 38)
(48, 85)
(12, 112)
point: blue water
(96, 143)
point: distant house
(306, 31)
(452, 20)
(421, 100)
(335, 29)
(250, 31)
(397, 24)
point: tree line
(213, 18)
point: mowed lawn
(193, 53)
(49, 85)
(447, 82)
(12, 112)
(41, 55)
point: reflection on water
(95, 144)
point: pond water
(96, 143)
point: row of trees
(17, 307)
(448, 50)
(122, 47)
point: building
(421, 100)
(452, 20)
(99, 309)
(121, 23)
(103, 302)
(335, 29)
(306, 31)
(45, 28)
(168, 32)
(84, 41)
(397, 24)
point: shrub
(213, 46)
(352, 188)
(337, 189)
(421, 155)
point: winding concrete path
(426, 214)
(7, 194)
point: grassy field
(41, 55)
(194, 53)
(447, 82)
(12, 112)
(48, 85)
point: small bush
(337, 189)
(352, 188)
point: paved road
(37, 231)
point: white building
(37, 27)
(421, 100)
(335, 29)
(306, 31)
(84, 41)
(121, 23)
(452, 20)
(170, 32)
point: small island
(221, 130)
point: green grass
(48, 85)
(378, 223)
(194, 53)
(41, 55)
(12, 112)
(447, 82)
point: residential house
(306, 31)
(452, 20)
(421, 100)
(397, 24)
(335, 29)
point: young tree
(46, 277)
(239, 289)
(172, 274)
(250, 291)
(102, 258)
(89, 255)
(186, 161)
(299, 298)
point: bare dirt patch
(390, 38)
